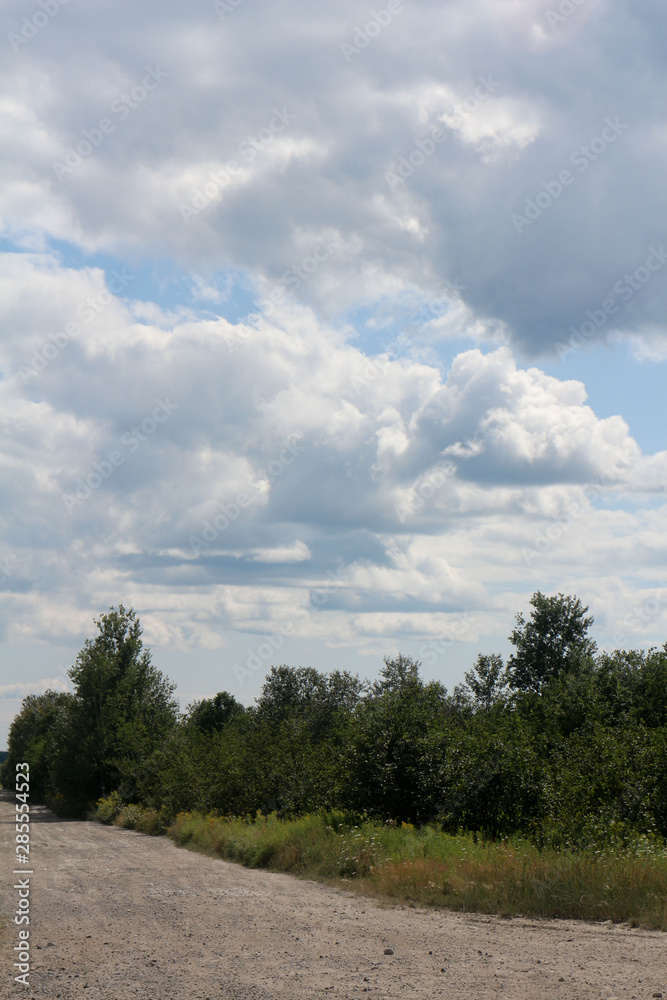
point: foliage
(122, 711)
(487, 680)
(107, 808)
(550, 643)
(428, 867)
(33, 739)
(397, 748)
(563, 746)
(213, 715)
(103, 736)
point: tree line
(563, 743)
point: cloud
(275, 318)
(313, 135)
(219, 474)
(22, 690)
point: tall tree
(211, 715)
(487, 679)
(31, 740)
(550, 643)
(122, 711)
(396, 751)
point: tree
(552, 642)
(397, 745)
(487, 679)
(398, 674)
(303, 692)
(31, 740)
(214, 714)
(121, 713)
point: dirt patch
(115, 915)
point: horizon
(330, 334)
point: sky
(328, 331)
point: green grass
(429, 868)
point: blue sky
(329, 333)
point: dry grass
(429, 868)
(509, 883)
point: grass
(429, 868)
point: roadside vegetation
(539, 786)
(427, 867)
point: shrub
(106, 809)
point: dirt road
(114, 914)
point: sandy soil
(115, 914)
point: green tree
(487, 680)
(492, 775)
(214, 714)
(121, 713)
(553, 641)
(399, 674)
(31, 740)
(315, 698)
(397, 743)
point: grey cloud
(356, 120)
(276, 458)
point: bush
(106, 809)
(134, 817)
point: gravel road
(116, 915)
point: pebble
(390, 951)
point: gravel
(117, 915)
